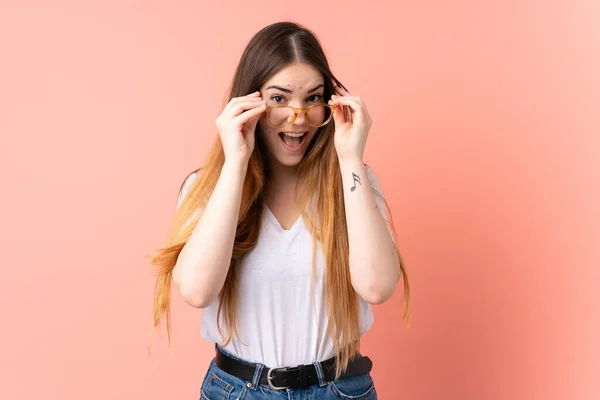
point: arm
(374, 264)
(202, 266)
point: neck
(281, 178)
(282, 174)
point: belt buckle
(270, 378)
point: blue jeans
(219, 385)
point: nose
(301, 118)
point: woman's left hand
(350, 134)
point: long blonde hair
(269, 51)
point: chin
(289, 161)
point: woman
(281, 237)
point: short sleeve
(185, 187)
(379, 199)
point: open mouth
(292, 140)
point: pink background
(485, 138)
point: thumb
(338, 114)
(252, 122)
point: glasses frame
(297, 112)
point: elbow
(190, 295)
(377, 290)
(377, 296)
(195, 299)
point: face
(300, 86)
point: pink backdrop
(485, 138)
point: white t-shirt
(281, 316)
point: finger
(238, 108)
(253, 122)
(246, 116)
(360, 101)
(353, 102)
(357, 111)
(356, 98)
(338, 115)
(236, 100)
(251, 97)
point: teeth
(293, 134)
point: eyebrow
(290, 91)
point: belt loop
(319, 370)
(257, 374)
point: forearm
(374, 263)
(203, 263)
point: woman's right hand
(236, 126)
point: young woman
(282, 236)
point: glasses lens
(280, 116)
(318, 115)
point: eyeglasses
(317, 115)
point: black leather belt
(290, 377)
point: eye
(277, 99)
(315, 98)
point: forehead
(297, 77)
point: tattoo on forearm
(356, 180)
